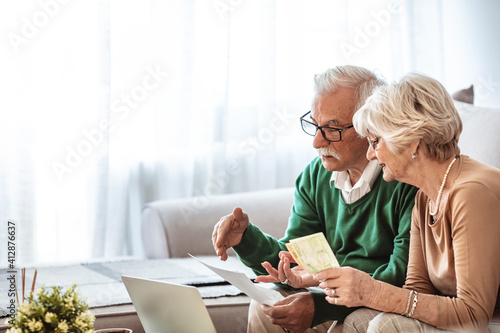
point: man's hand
(296, 277)
(229, 231)
(294, 313)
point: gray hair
(415, 109)
(362, 80)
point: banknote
(313, 253)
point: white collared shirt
(350, 193)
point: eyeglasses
(329, 133)
(373, 143)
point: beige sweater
(458, 257)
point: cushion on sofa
(464, 95)
(480, 137)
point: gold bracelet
(414, 306)
(408, 304)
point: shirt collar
(365, 182)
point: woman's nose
(370, 154)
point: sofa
(172, 228)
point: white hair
(415, 109)
(362, 80)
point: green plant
(53, 310)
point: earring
(414, 155)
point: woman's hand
(348, 286)
(296, 277)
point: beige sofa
(173, 228)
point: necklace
(440, 193)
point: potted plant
(53, 310)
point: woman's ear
(414, 149)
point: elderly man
(340, 193)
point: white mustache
(328, 152)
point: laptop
(168, 308)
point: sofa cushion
(464, 95)
(480, 137)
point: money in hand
(313, 253)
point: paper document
(313, 253)
(241, 281)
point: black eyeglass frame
(340, 130)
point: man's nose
(319, 141)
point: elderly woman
(453, 274)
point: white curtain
(109, 104)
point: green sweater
(371, 234)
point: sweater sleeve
(475, 228)
(257, 247)
(324, 311)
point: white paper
(241, 281)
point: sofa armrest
(174, 228)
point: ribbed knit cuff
(324, 311)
